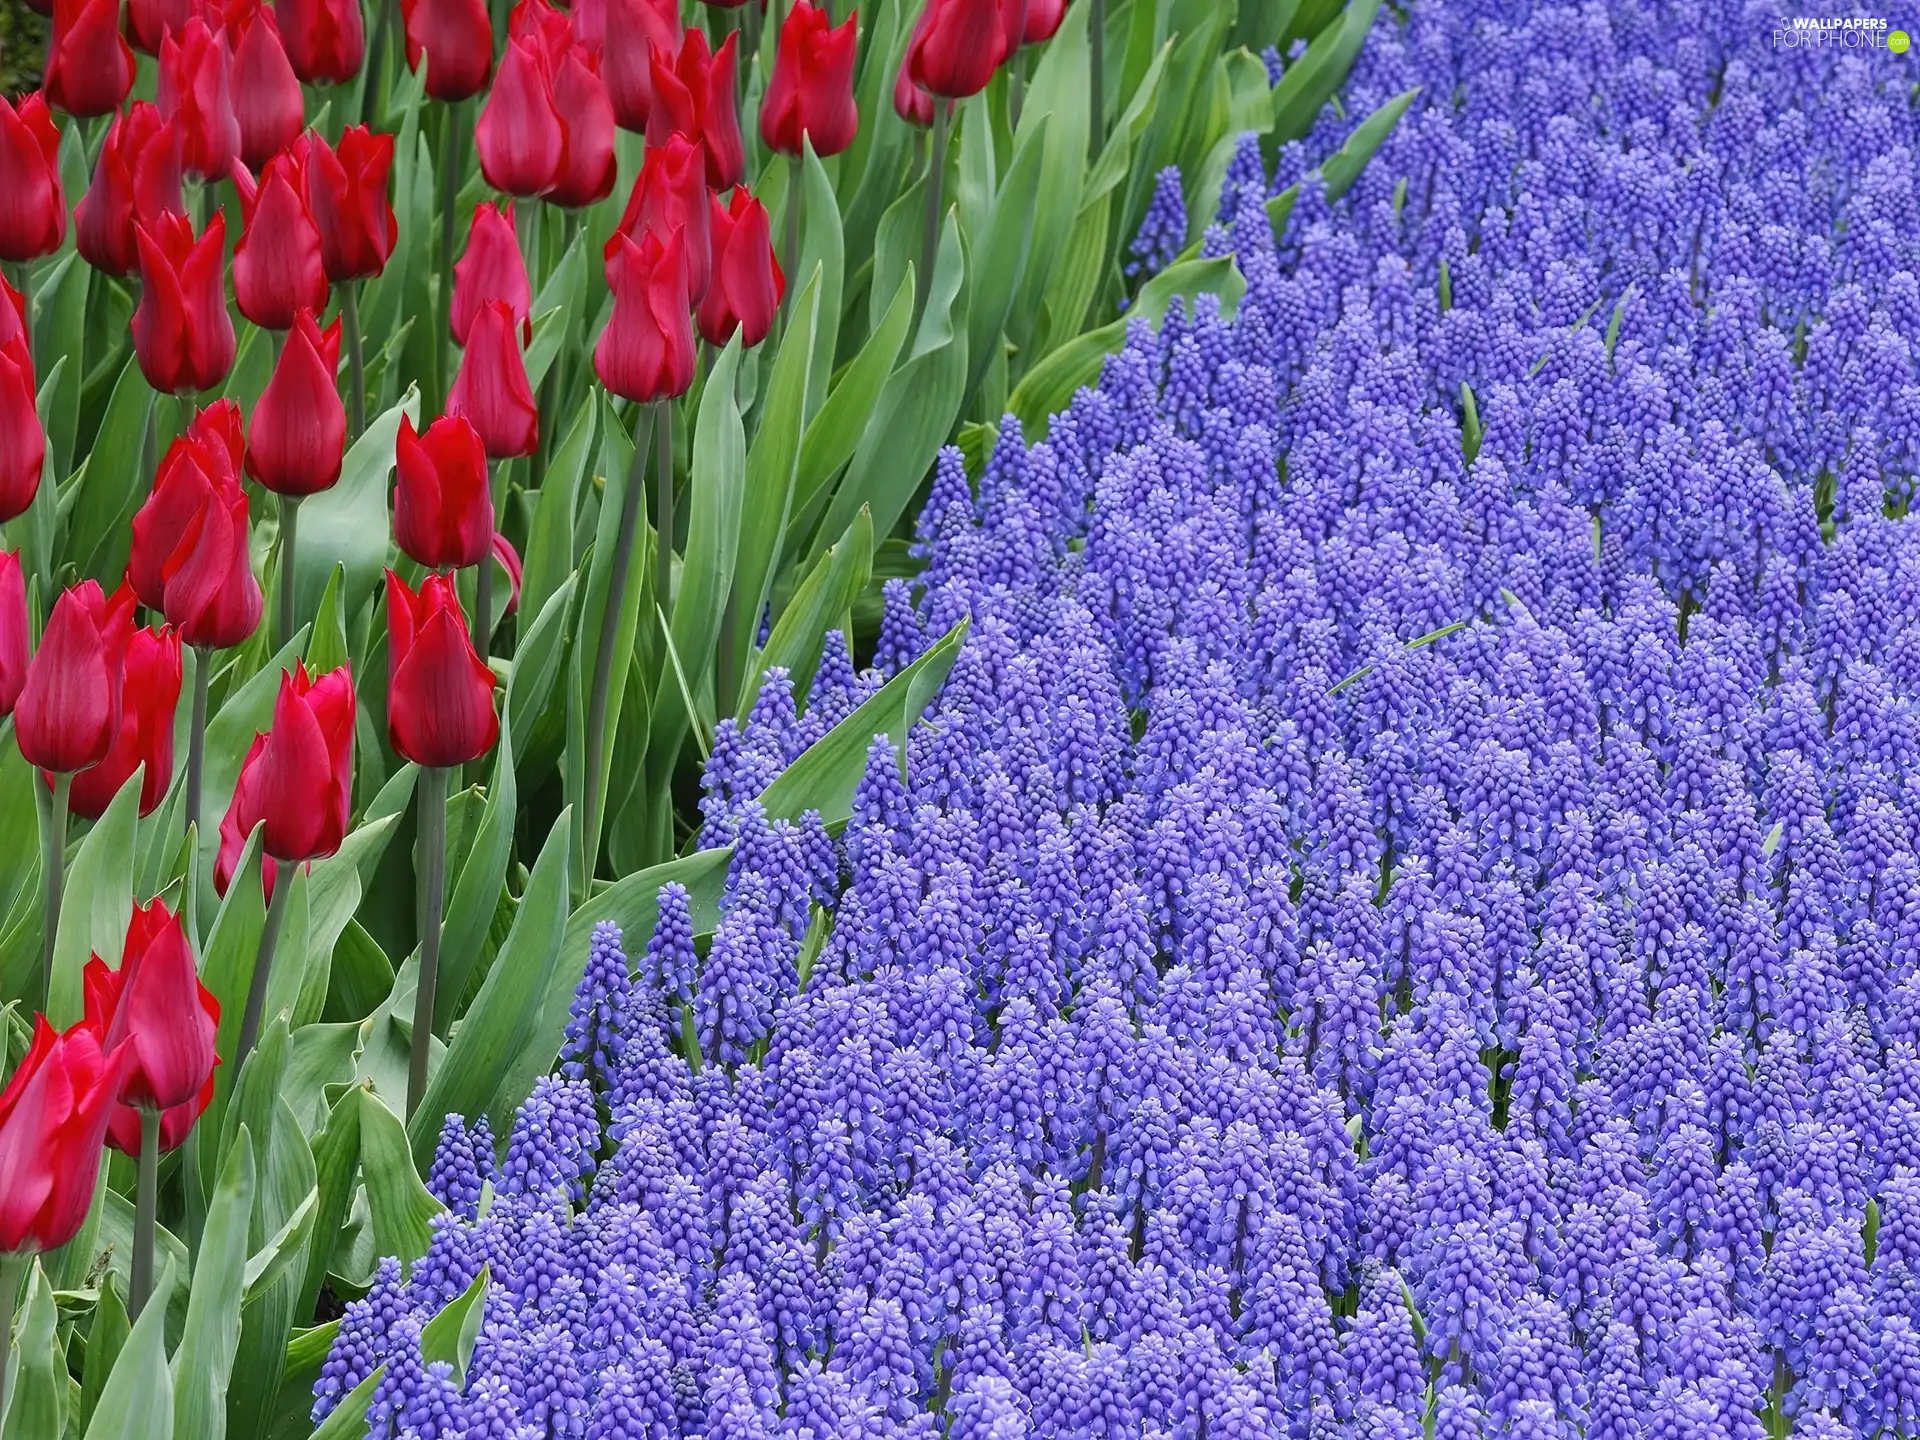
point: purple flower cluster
(1405, 917)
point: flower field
(1123, 719)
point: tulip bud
(23, 444)
(491, 269)
(89, 66)
(149, 22)
(491, 389)
(956, 47)
(277, 270)
(1043, 19)
(811, 91)
(670, 193)
(13, 631)
(155, 1006)
(508, 559)
(646, 351)
(297, 778)
(53, 1116)
(521, 138)
(149, 692)
(694, 96)
(182, 334)
(910, 102)
(747, 284)
(587, 167)
(266, 93)
(442, 505)
(196, 94)
(456, 37)
(190, 558)
(69, 711)
(137, 178)
(33, 209)
(347, 193)
(323, 38)
(633, 30)
(299, 429)
(439, 691)
(13, 315)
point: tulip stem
(263, 965)
(631, 502)
(197, 735)
(12, 1267)
(356, 361)
(930, 230)
(376, 62)
(432, 796)
(146, 1197)
(53, 866)
(663, 481)
(451, 166)
(289, 534)
(1096, 78)
(790, 252)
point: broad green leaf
(1311, 80)
(823, 597)
(401, 1207)
(448, 1337)
(336, 1160)
(833, 433)
(327, 641)
(1188, 68)
(37, 1405)
(99, 527)
(203, 1365)
(59, 333)
(286, 1245)
(1242, 105)
(1058, 98)
(1000, 257)
(137, 1402)
(717, 492)
(549, 560)
(348, 1419)
(96, 903)
(1340, 169)
(537, 661)
(556, 309)
(347, 525)
(469, 912)
(822, 245)
(106, 1337)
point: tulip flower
(33, 209)
(442, 506)
(299, 429)
(646, 351)
(323, 38)
(508, 559)
(550, 31)
(156, 1005)
(137, 178)
(811, 91)
(587, 167)
(439, 691)
(347, 193)
(670, 194)
(53, 1117)
(182, 334)
(956, 47)
(206, 458)
(89, 66)
(491, 389)
(694, 95)
(266, 93)
(633, 30)
(149, 22)
(190, 559)
(492, 268)
(747, 281)
(13, 315)
(521, 138)
(1043, 19)
(23, 444)
(910, 102)
(149, 694)
(14, 636)
(196, 94)
(456, 37)
(277, 268)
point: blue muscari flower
(1163, 229)
(363, 1341)
(595, 1037)
(555, 1135)
(455, 1176)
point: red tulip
(646, 351)
(33, 210)
(747, 283)
(297, 778)
(910, 102)
(137, 178)
(190, 558)
(811, 92)
(491, 389)
(89, 67)
(671, 194)
(13, 631)
(182, 334)
(14, 324)
(266, 93)
(634, 29)
(149, 692)
(347, 193)
(956, 47)
(150, 21)
(299, 429)
(587, 167)
(53, 1116)
(439, 691)
(23, 444)
(277, 269)
(156, 1006)
(196, 94)
(1043, 19)
(521, 138)
(68, 715)
(442, 505)
(694, 95)
(456, 37)
(323, 38)
(491, 269)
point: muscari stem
(12, 1267)
(263, 966)
(197, 735)
(289, 526)
(356, 361)
(146, 1199)
(432, 798)
(53, 866)
(617, 577)
(930, 225)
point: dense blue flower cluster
(1252, 1011)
